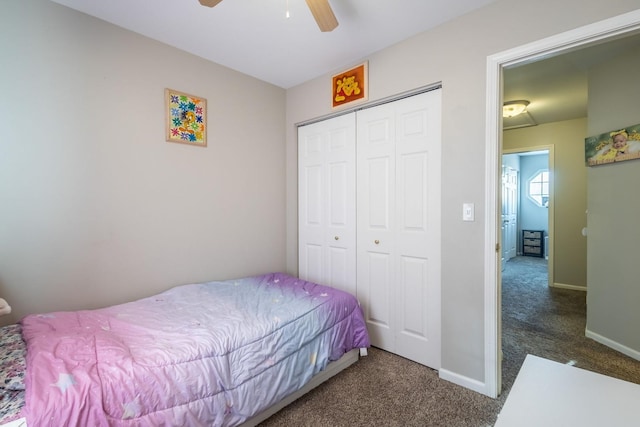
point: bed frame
(332, 369)
(21, 422)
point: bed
(222, 353)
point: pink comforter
(205, 354)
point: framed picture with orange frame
(350, 86)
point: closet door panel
(379, 193)
(413, 262)
(338, 259)
(375, 239)
(413, 198)
(338, 200)
(311, 191)
(374, 291)
(376, 174)
(311, 261)
(326, 197)
(412, 319)
(340, 237)
(418, 154)
(398, 154)
(413, 339)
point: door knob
(376, 242)
(337, 238)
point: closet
(369, 217)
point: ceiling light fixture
(513, 108)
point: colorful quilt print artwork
(186, 118)
(615, 146)
(350, 86)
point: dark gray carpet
(383, 389)
(551, 323)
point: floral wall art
(186, 118)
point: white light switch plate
(468, 212)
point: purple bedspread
(209, 354)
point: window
(539, 188)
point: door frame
(618, 26)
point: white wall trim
(373, 103)
(613, 344)
(463, 381)
(612, 27)
(570, 287)
(493, 162)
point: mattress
(210, 354)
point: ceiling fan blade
(323, 14)
(209, 3)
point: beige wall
(614, 208)
(95, 207)
(455, 54)
(570, 192)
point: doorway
(523, 211)
(600, 32)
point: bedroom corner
(98, 208)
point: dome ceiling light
(514, 108)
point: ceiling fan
(321, 10)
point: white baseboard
(572, 287)
(635, 354)
(463, 381)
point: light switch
(468, 213)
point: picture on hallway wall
(615, 146)
(186, 118)
(350, 86)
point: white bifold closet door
(327, 203)
(398, 225)
(369, 218)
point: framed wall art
(615, 146)
(186, 118)
(350, 86)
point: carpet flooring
(383, 389)
(550, 323)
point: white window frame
(542, 195)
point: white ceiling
(557, 86)
(255, 38)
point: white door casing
(398, 217)
(326, 202)
(597, 32)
